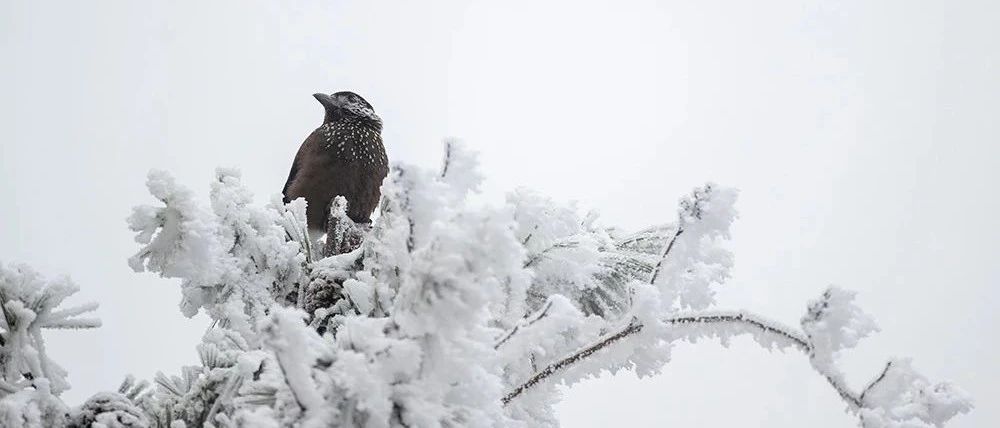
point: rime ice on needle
(449, 314)
(31, 381)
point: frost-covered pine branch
(442, 312)
(31, 381)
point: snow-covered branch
(929, 405)
(31, 381)
(441, 312)
(527, 323)
(576, 357)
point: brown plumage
(344, 157)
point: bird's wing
(291, 177)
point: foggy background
(864, 137)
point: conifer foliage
(444, 312)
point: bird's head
(348, 105)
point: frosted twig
(852, 400)
(230, 388)
(666, 251)
(541, 255)
(553, 368)
(753, 322)
(885, 371)
(289, 343)
(530, 235)
(405, 205)
(541, 314)
(447, 158)
(296, 395)
(342, 234)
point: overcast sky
(864, 136)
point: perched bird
(343, 157)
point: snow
(451, 313)
(293, 348)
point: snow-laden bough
(450, 313)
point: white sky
(864, 136)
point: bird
(343, 157)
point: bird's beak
(324, 99)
